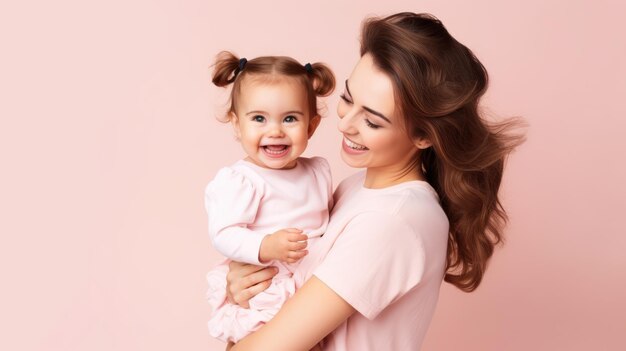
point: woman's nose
(346, 122)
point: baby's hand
(287, 245)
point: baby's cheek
(300, 144)
(303, 135)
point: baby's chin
(281, 165)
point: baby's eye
(290, 119)
(258, 118)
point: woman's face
(374, 136)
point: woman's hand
(244, 281)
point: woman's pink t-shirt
(384, 252)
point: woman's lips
(353, 148)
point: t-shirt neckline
(396, 187)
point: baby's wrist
(264, 250)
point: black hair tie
(308, 68)
(242, 65)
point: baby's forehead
(272, 92)
(255, 79)
(257, 86)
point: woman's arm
(306, 318)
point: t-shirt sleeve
(232, 201)
(375, 261)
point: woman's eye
(371, 125)
(345, 98)
(258, 118)
(290, 119)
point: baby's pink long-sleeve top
(245, 202)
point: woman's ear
(234, 121)
(422, 143)
(313, 124)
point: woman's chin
(351, 161)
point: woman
(426, 208)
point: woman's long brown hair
(438, 83)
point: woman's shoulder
(417, 206)
(418, 196)
(414, 202)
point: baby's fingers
(297, 237)
(293, 230)
(295, 256)
(298, 245)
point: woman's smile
(353, 148)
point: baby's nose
(276, 131)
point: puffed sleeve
(231, 201)
(375, 261)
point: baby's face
(272, 121)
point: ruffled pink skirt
(229, 322)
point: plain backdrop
(108, 137)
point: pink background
(108, 137)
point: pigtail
(226, 68)
(323, 79)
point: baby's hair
(317, 78)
